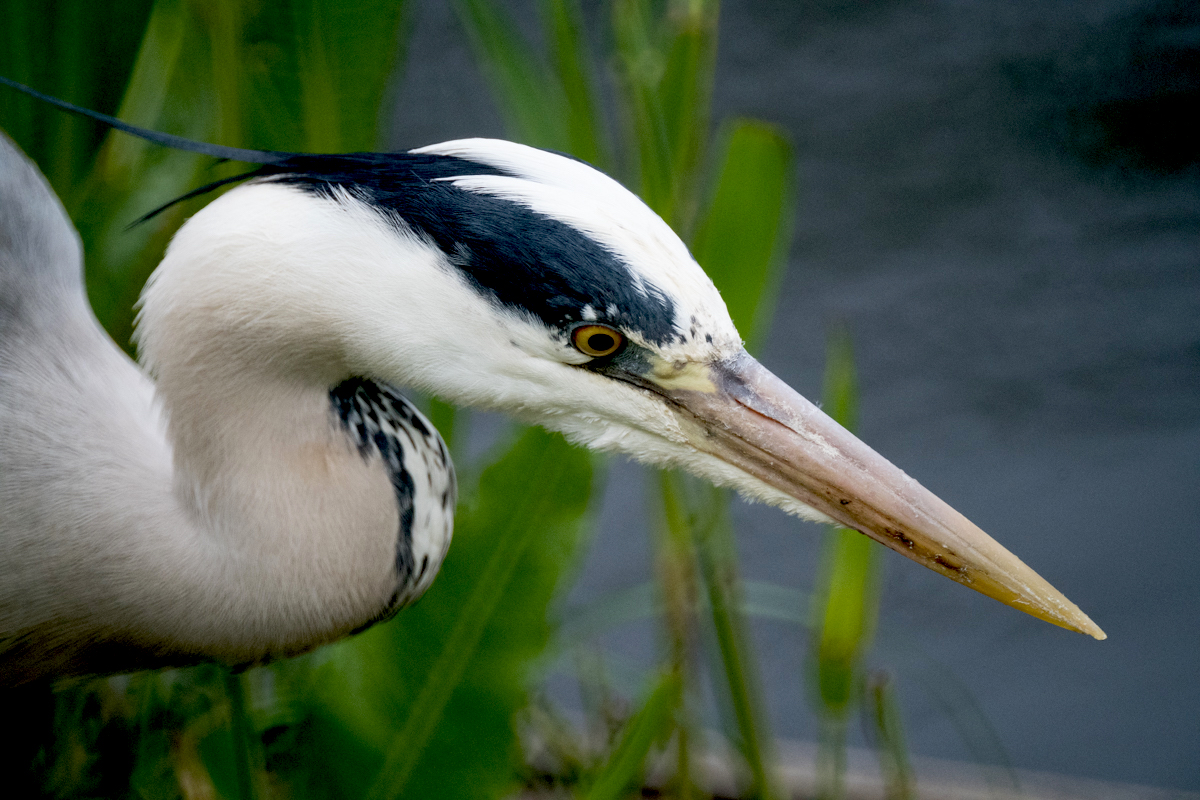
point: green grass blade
(743, 233)
(666, 67)
(533, 103)
(451, 424)
(73, 49)
(697, 520)
(686, 97)
(167, 90)
(840, 399)
(461, 642)
(147, 91)
(610, 611)
(889, 736)
(537, 493)
(766, 600)
(759, 599)
(67, 131)
(18, 63)
(849, 606)
(847, 619)
(678, 594)
(225, 34)
(621, 772)
(638, 38)
(572, 68)
(318, 84)
(849, 570)
(738, 657)
(219, 744)
(314, 73)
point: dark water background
(1002, 202)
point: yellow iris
(596, 340)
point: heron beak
(749, 418)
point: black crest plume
(267, 158)
(162, 139)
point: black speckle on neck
(377, 417)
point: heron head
(504, 277)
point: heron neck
(299, 532)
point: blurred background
(994, 212)
(1001, 201)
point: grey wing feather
(81, 459)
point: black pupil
(600, 342)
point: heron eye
(596, 340)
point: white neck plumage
(257, 525)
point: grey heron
(260, 486)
